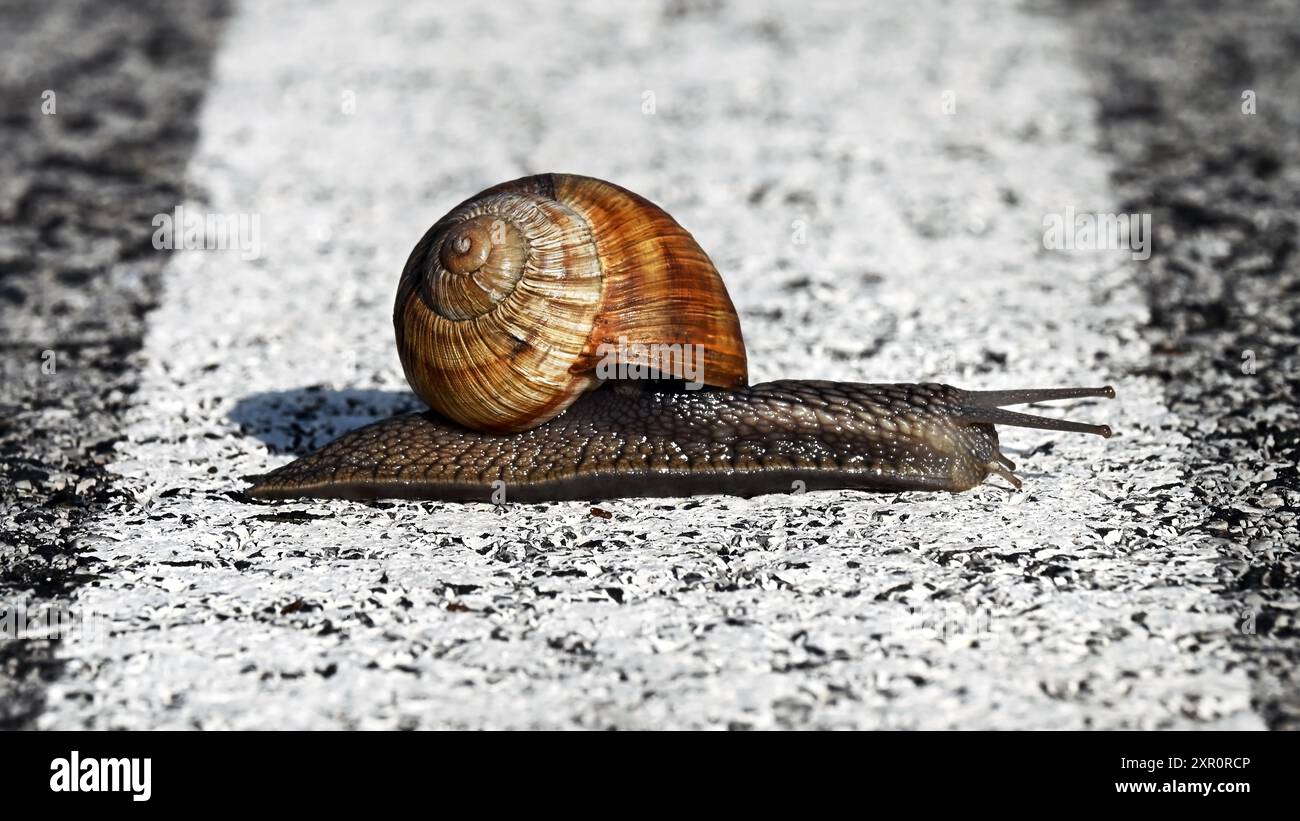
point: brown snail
(512, 308)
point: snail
(523, 300)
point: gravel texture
(79, 184)
(1098, 597)
(1223, 283)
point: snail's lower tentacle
(999, 416)
(775, 437)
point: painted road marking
(1065, 606)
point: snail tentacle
(992, 415)
(1025, 396)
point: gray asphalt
(1144, 582)
(78, 274)
(1223, 284)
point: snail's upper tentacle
(634, 442)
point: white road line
(1073, 604)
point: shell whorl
(508, 302)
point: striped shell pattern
(509, 302)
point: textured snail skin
(631, 441)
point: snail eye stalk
(986, 407)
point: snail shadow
(301, 420)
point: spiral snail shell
(508, 303)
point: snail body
(510, 305)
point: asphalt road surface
(873, 184)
